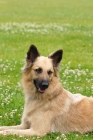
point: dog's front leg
(25, 132)
(21, 126)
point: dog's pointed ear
(56, 57)
(32, 54)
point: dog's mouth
(41, 90)
(41, 85)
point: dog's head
(41, 70)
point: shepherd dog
(48, 106)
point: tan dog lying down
(48, 106)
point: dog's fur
(48, 106)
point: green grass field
(50, 25)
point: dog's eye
(49, 72)
(39, 70)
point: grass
(50, 25)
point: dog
(48, 106)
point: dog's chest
(35, 113)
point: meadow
(50, 25)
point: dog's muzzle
(41, 85)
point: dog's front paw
(0, 128)
(2, 132)
(5, 132)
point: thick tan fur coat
(48, 106)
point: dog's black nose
(44, 84)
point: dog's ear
(32, 54)
(56, 57)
